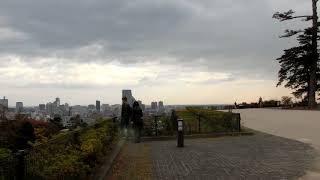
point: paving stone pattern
(258, 157)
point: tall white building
(4, 102)
(19, 107)
(128, 94)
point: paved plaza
(301, 125)
(258, 157)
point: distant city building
(154, 105)
(91, 107)
(116, 110)
(42, 107)
(69, 111)
(128, 94)
(50, 108)
(19, 107)
(4, 102)
(79, 110)
(57, 102)
(98, 106)
(142, 106)
(161, 106)
(105, 107)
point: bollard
(180, 137)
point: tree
(286, 100)
(25, 134)
(76, 121)
(270, 103)
(295, 66)
(299, 65)
(57, 121)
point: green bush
(7, 164)
(54, 161)
(5, 154)
(75, 158)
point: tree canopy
(300, 65)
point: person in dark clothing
(137, 121)
(126, 113)
(174, 120)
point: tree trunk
(313, 70)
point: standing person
(137, 121)
(126, 112)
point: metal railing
(198, 122)
(158, 125)
(208, 121)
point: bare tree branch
(289, 16)
(289, 33)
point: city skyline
(12, 104)
(160, 89)
(200, 56)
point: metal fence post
(199, 122)
(156, 124)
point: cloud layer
(139, 43)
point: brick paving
(133, 162)
(258, 157)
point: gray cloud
(229, 36)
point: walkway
(294, 124)
(261, 156)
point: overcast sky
(181, 51)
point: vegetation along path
(261, 156)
